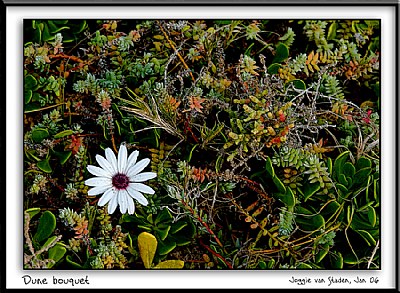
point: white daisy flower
(119, 180)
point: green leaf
(367, 237)
(57, 252)
(177, 226)
(44, 165)
(147, 244)
(32, 212)
(308, 221)
(361, 175)
(31, 107)
(349, 170)
(342, 188)
(332, 31)
(273, 68)
(73, 264)
(46, 34)
(339, 162)
(49, 241)
(64, 133)
(47, 224)
(298, 84)
(262, 265)
(170, 264)
(271, 264)
(63, 156)
(343, 180)
(30, 82)
(287, 198)
(278, 183)
(282, 53)
(329, 165)
(269, 167)
(359, 223)
(363, 162)
(303, 265)
(372, 216)
(310, 189)
(28, 96)
(54, 28)
(163, 233)
(163, 217)
(181, 240)
(330, 210)
(324, 249)
(166, 246)
(38, 134)
(336, 260)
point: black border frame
(391, 3)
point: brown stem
(176, 51)
(216, 254)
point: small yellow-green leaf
(170, 264)
(147, 244)
(32, 212)
(64, 133)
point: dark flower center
(120, 181)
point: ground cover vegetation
(217, 144)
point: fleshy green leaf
(269, 167)
(339, 162)
(163, 216)
(166, 246)
(322, 253)
(336, 260)
(363, 162)
(310, 189)
(57, 252)
(278, 183)
(32, 212)
(308, 221)
(63, 156)
(38, 134)
(177, 226)
(282, 53)
(367, 237)
(298, 84)
(44, 165)
(273, 68)
(30, 82)
(163, 233)
(349, 170)
(47, 224)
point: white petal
(110, 156)
(138, 167)
(143, 176)
(105, 164)
(122, 158)
(98, 171)
(112, 205)
(123, 201)
(137, 195)
(131, 205)
(107, 196)
(131, 161)
(142, 188)
(98, 190)
(99, 181)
